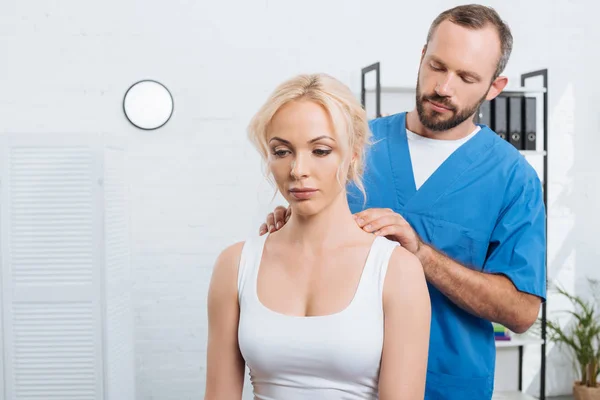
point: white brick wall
(196, 184)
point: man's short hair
(476, 16)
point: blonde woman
(319, 309)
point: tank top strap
(250, 259)
(377, 263)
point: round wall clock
(148, 104)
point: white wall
(196, 184)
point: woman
(319, 309)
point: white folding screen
(67, 321)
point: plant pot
(581, 392)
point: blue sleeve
(518, 243)
(356, 200)
(378, 179)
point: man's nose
(444, 88)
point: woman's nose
(298, 169)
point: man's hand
(488, 296)
(276, 220)
(385, 222)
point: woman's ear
(352, 165)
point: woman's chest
(314, 285)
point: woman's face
(305, 157)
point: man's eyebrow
(437, 60)
(472, 74)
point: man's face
(455, 74)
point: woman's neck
(324, 230)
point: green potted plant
(582, 338)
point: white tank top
(334, 356)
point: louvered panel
(120, 360)
(54, 351)
(67, 326)
(4, 196)
(51, 215)
(116, 223)
(51, 286)
(119, 317)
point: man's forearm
(492, 297)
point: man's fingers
(381, 222)
(387, 231)
(270, 222)
(365, 217)
(263, 229)
(369, 215)
(279, 217)
(275, 220)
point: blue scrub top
(484, 208)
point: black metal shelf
(544, 74)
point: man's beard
(432, 122)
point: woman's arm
(224, 362)
(407, 310)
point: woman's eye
(280, 153)
(322, 152)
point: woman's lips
(303, 194)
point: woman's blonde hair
(348, 116)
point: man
(461, 199)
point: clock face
(148, 104)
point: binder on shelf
(499, 116)
(501, 332)
(484, 115)
(515, 122)
(530, 115)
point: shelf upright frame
(544, 74)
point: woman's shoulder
(404, 270)
(399, 255)
(405, 286)
(233, 253)
(226, 265)
(230, 255)
(402, 258)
